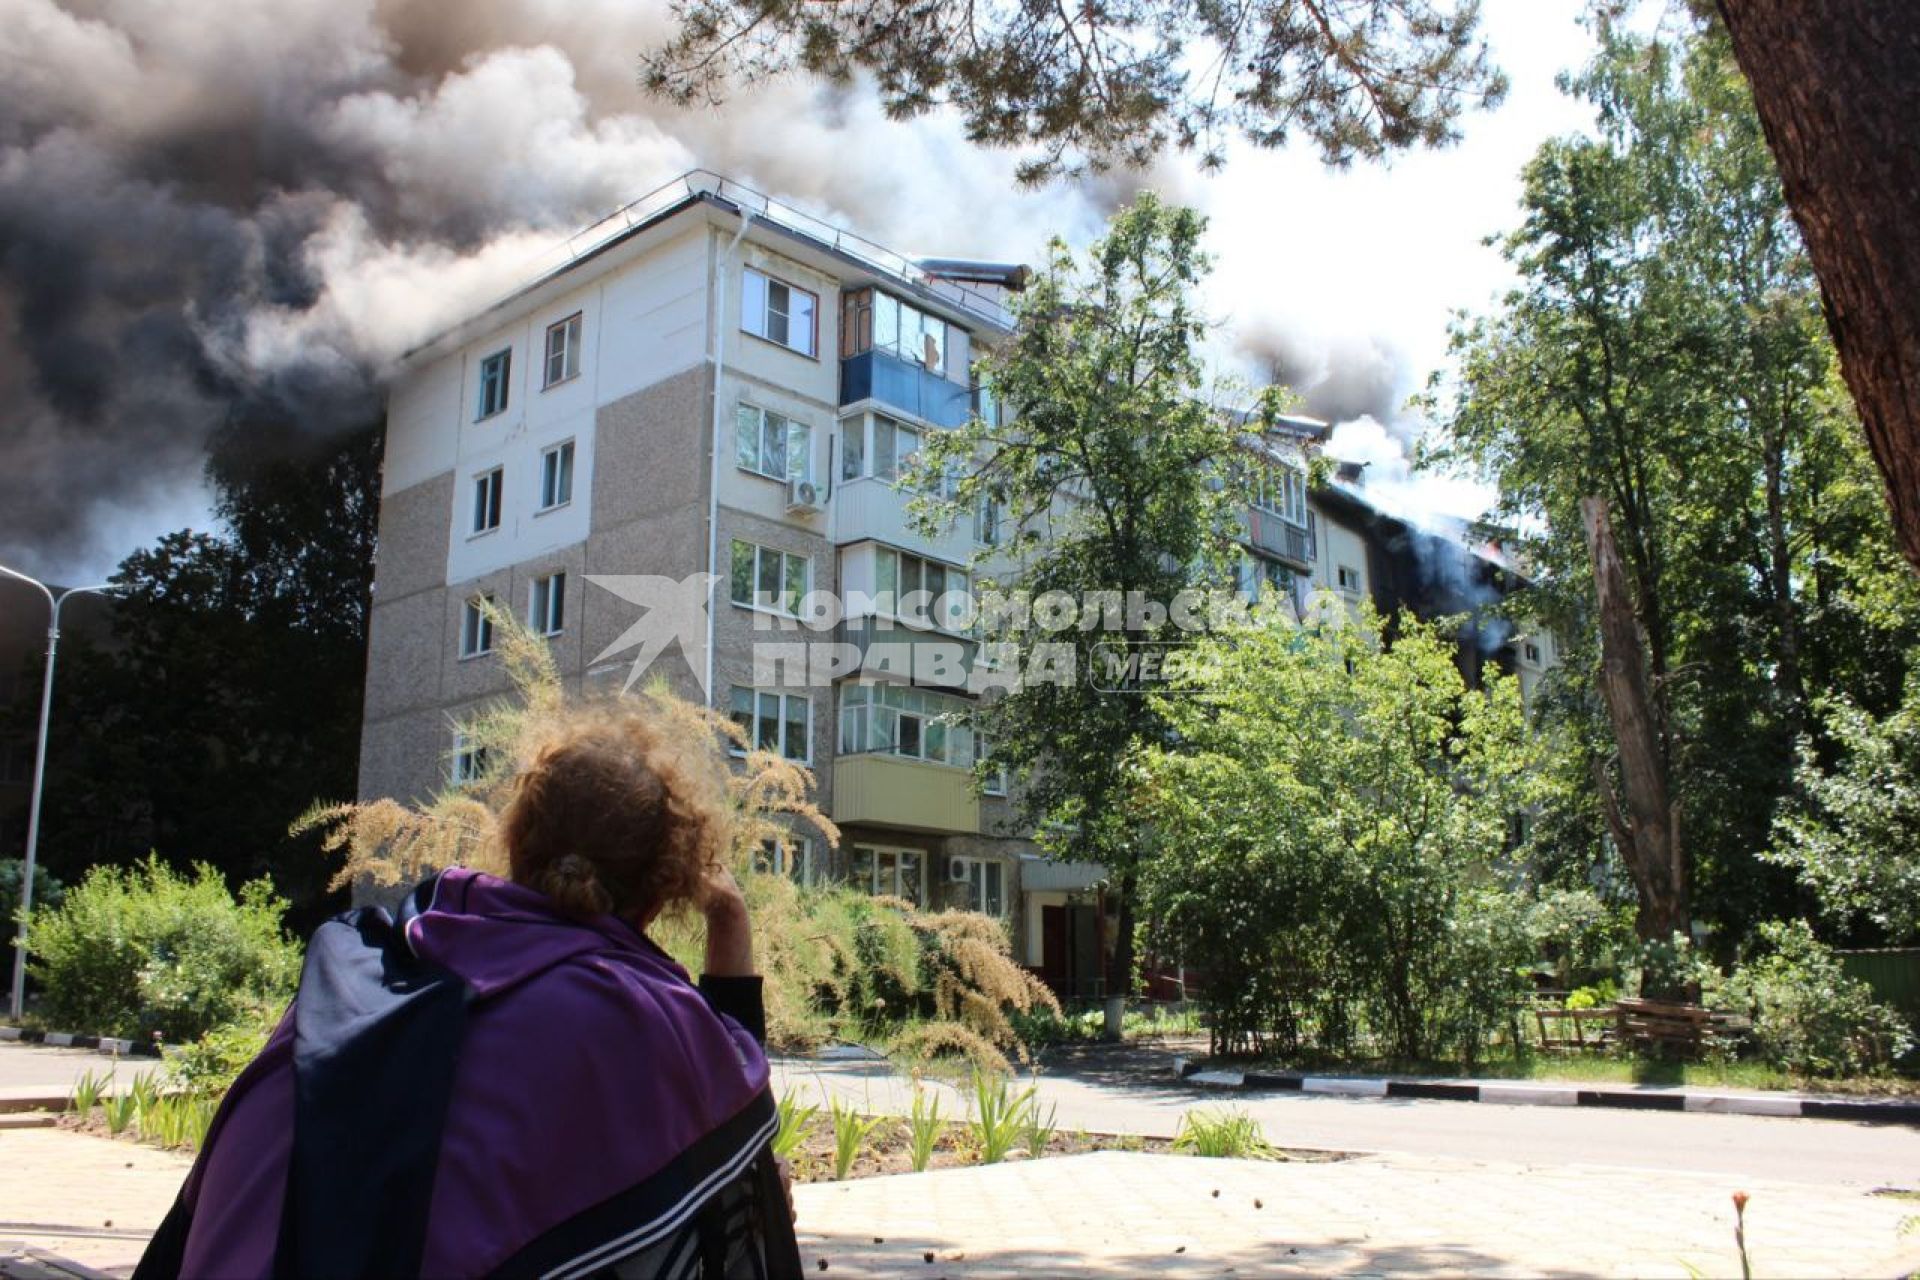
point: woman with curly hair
(507, 1076)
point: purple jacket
(600, 1115)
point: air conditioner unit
(803, 495)
(957, 869)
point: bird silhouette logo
(676, 609)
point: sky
(241, 222)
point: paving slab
(1120, 1214)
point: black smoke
(231, 215)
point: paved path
(1118, 1215)
(1114, 1214)
(1815, 1152)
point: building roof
(946, 284)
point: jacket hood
(497, 935)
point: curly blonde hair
(615, 809)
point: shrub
(208, 1066)
(146, 950)
(1809, 1017)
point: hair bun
(575, 887)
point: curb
(1791, 1106)
(109, 1045)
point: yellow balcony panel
(910, 794)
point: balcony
(1273, 535)
(910, 794)
(928, 659)
(903, 385)
(876, 511)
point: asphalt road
(1819, 1152)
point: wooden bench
(1664, 1026)
(1571, 1024)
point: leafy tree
(1854, 832)
(1664, 352)
(1334, 816)
(229, 695)
(1101, 82)
(1111, 466)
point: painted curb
(1787, 1106)
(109, 1045)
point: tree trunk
(1120, 976)
(1646, 827)
(1837, 85)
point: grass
(795, 1121)
(1604, 1068)
(850, 1132)
(1000, 1115)
(1224, 1135)
(923, 1129)
(87, 1092)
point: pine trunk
(1837, 85)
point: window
(986, 523)
(894, 447)
(563, 349)
(986, 885)
(764, 578)
(494, 371)
(1258, 573)
(895, 719)
(486, 500)
(777, 311)
(898, 872)
(771, 444)
(476, 628)
(853, 449)
(778, 722)
(469, 760)
(556, 476)
(994, 777)
(1281, 490)
(1348, 577)
(789, 856)
(899, 575)
(1532, 651)
(547, 604)
(875, 321)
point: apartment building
(1361, 551)
(709, 382)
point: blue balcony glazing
(909, 387)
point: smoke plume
(235, 214)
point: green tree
(1110, 465)
(1335, 815)
(228, 697)
(1099, 82)
(1664, 351)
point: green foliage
(146, 950)
(209, 1065)
(1809, 1017)
(1665, 349)
(923, 1129)
(795, 1122)
(1099, 84)
(1038, 1130)
(230, 695)
(1854, 834)
(1227, 1135)
(1334, 838)
(1598, 996)
(120, 1110)
(47, 891)
(1109, 467)
(87, 1092)
(1000, 1121)
(850, 1132)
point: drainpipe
(713, 461)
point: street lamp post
(54, 602)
